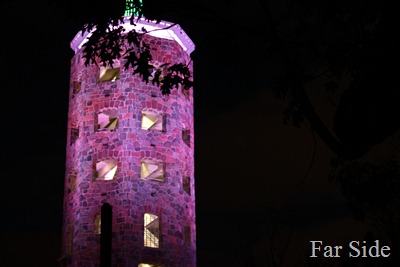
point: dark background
(249, 164)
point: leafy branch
(109, 42)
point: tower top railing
(162, 29)
(130, 9)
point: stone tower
(130, 154)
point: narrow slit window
(148, 265)
(97, 224)
(74, 135)
(186, 136)
(187, 235)
(70, 239)
(152, 170)
(152, 121)
(76, 87)
(151, 230)
(106, 169)
(186, 92)
(186, 184)
(109, 74)
(107, 120)
(71, 182)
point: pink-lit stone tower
(132, 148)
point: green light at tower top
(130, 9)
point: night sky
(253, 175)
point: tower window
(71, 182)
(74, 135)
(107, 120)
(152, 170)
(186, 92)
(151, 231)
(186, 184)
(70, 239)
(109, 74)
(187, 235)
(152, 121)
(105, 169)
(76, 87)
(97, 224)
(186, 136)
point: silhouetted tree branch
(343, 40)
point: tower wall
(130, 197)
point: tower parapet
(163, 30)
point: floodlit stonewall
(133, 148)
